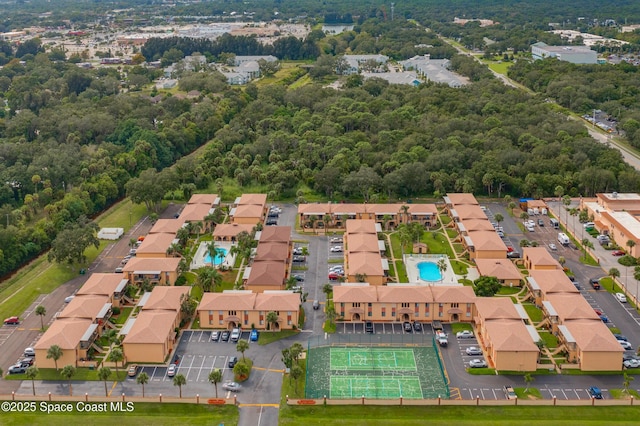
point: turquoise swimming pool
(221, 254)
(429, 271)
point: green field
(371, 359)
(144, 413)
(356, 415)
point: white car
(626, 345)
(68, 299)
(465, 334)
(336, 240)
(473, 351)
(235, 334)
(171, 371)
(336, 249)
(621, 297)
(231, 386)
(553, 246)
(631, 363)
(477, 363)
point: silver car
(477, 363)
(231, 386)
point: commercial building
(573, 54)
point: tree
(70, 243)
(55, 353)
(116, 355)
(585, 245)
(486, 286)
(405, 235)
(528, 379)
(103, 374)
(242, 346)
(209, 278)
(327, 289)
(566, 200)
(241, 371)
(512, 205)
(31, 373)
(295, 373)
(631, 244)
(68, 371)
(614, 273)
(179, 380)
(626, 382)
(498, 217)
(215, 377)
(442, 267)
(149, 187)
(212, 252)
(272, 319)
(524, 215)
(296, 350)
(287, 360)
(562, 260)
(143, 379)
(41, 311)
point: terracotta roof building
(158, 271)
(73, 335)
(503, 269)
(110, 285)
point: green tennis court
(372, 359)
(376, 387)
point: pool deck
(198, 259)
(411, 261)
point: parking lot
(198, 356)
(380, 328)
(546, 392)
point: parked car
(442, 338)
(336, 240)
(133, 252)
(621, 297)
(595, 392)
(68, 299)
(316, 305)
(631, 363)
(12, 321)
(334, 276)
(336, 249)
(298, 259)
(233, 361)
(231, 386)
(513, 255)
(473, 350)
(620, 337)
(618, 253)
(595, 283)
(297, 251)
(540, 222)
(407, 327)
(298, 277)
(509, 392)
(368, 327)
(119, 270)
(27, 361)
(225, 336)
(272, 221)
(552, 247)
(253, 336)
(464, 334)
(626, 345)
(477, 363)
(171, 371)
(17, 369)
(32, 352)
(133, 370)
(215, 336)
(417, 326)
(235, 335)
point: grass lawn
(402, 271)
(622, 394)
(290, 387)
(144, 413)
(455, 415)
(504, 290)
(481, 371)
(549, 340)
(459, 268)
(329, 327)
(437, 243)
(531, 393)
(460, 326)
(81, 374)
(267, 337)
(534, 313)
(445, 219)
(196, 292)
(123, 316)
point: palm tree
(295, 373)
(627, 379)
(103, 374)
(55, 353)
(361, 278)
(614, 273)
(143, 379)
(212, 252)
(499, 218)
(41, 311)
(566, 200)
(631, 244)
(116, 356)
(528, 379)
(68, 371)
(208, 279)
(404, 234)
(405, 211)
(327, 289)
(272, 319)
(197, 228)
(179, 380)
(442, 267)
(31, 373)
(295, 351)
(524, 215)
(242, 346)
(385, 221)
(327, 220)
(512, 205)
(215, 377)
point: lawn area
(123, 316)
(534, 313)
(290, 387)
(267, 337)
(455, 415)
(437, 243)
(459, 268)
(531, 393)
(504, 290)
(549, 340)
(402, 271)
(144, 413)
(622, 394)
(460, 326)
(81, 374)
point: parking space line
(200, 369)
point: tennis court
(372, 358)
(376, 387)
(347, 369)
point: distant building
(573, 54)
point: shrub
(115, 310)
(181, 280)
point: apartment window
(369, 304)
(369, 314)
(455, 305)
(261, 322)
(440, 314)
(405, 305)
(383, 312)
(232, 313)
(356, 305)
(393, 312)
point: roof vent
(614, 194)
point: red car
(510, 249)
(334, 276)
(12, 321)
(618, 253)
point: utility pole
(392, 8)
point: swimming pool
(221, 254)
(429, 271)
